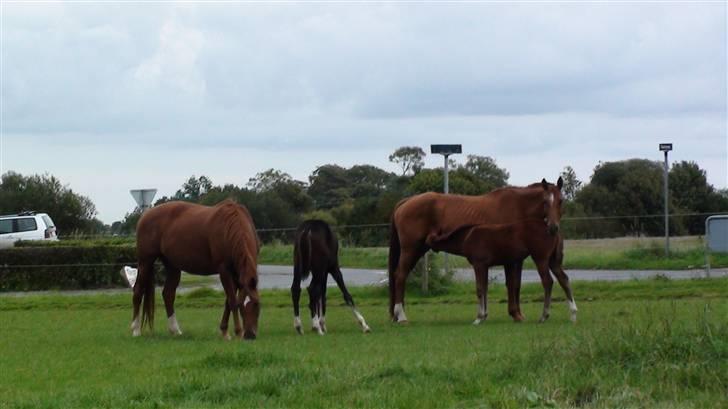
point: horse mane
(234, 217)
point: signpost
(666, 147)
(445, 151)
(143, 197)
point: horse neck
(521, 202)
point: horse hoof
(136, 333)
(402, 322)
(175, 332)
(366, 329)
(477, 321)
(573, 318)
(299, 330)
(249, 336)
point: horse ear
(560, 183)
(545, 184)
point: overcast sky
(114, 97)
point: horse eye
(252, 283)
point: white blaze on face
(173, 325)
(551, 198)
(399, 315)
(246, 301)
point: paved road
(281, 277)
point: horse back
(316, 246)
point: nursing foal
(488, 245)
(316, 251)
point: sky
(117, 96)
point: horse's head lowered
(552, 204)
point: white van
(26, 226)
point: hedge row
(65, 267)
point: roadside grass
(645, 349)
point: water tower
(143, 197)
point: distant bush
(51, 267)
(439, 280)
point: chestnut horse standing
(417, 217)
(200, 240)
(489, 245)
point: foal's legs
(169, 293)
(314, 300)
(548, 283)
(296, 297)
(481, 287)
(513, 284)
(322, 320)
(564, 283)
(339, 278)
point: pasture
(654, 343)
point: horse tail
(147, 283)
(304, 253)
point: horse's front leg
(513, 283)
(231, 305)
(481, 284)
(548, 283)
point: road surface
(281, 277)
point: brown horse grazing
(489, 245)
(316, 251)
(415, 218)
(200, 240)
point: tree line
(619, 199)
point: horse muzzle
(249, 335)
(553, 229)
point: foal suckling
(488, 245)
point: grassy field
(604, 254)
(651, 343)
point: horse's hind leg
(407, 260)
(314, 300)
(322, 303)
(513, 284)
(564, 283)
(295, 298)
(169, 293)
(481, 285)
(339, 278)
(548, 283)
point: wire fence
(572, 227)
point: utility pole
(446, 151)
(666, 147)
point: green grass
(652, 343)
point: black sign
(446, 149)
(665, 147)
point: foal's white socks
(362, 323)
(482, 311)
(573, 310)
(316, 325)
(173, 325)
(399, 315)
(136, 327)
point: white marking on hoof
(322, 323)
(173, 325)
(399, 315)
(361, 320)
(246, 301)
(477, 321)
(573, 310)
(297, 324)
(136, 327)
(315, 326)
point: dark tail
(394, 252)
(147, 283)
(304, 253)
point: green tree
(409, 158)
(193, 189)
(690, 192)
(70, 211)
(486, 169)
(572, 184)
(329, 186)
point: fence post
(426, 274)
